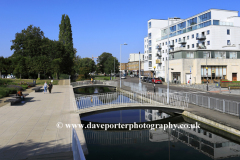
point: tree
(1, 65)
(87, 65)
(65, 36)
(20, 68)
(106, 63)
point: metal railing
(89, 82)
(129, 99)
(222, 105)
(135, 87)
(200, 86)
(76, 147)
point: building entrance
(234, 76)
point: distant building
(133, 63)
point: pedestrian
(19, 93)
(175, 80)
(45, 87)
(50, 86)
(91, 80)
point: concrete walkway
(30, 129)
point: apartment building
(124, 68)
(133, 63)
(203, 46)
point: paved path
(30, 129)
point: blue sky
(97, 25)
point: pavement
(29, 129)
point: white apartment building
(204, 45)
(135, 57)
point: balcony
(171, 45)
(201, 37)
(158, 61)
(182, 42)
(159, 47)
(158, 55)
(202, 47)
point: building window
(163, 59)
(149, 42)
(192, 45)
(179, 40)
(215, 22)
(150, 50)
(187, 46)
(149, 24)
(163, 51)
(150, 57)
(208, 32)
(228, 42)
(228, 32)
(176, 40)
(189, 55)
(163, 43)
(220, 55)
(208, 42)
(193, 36)
(196, 35)
(233, 55)
(206, 54)
(197, 45)
(149, 35)
(187, 37)
(166, 43)
(150, 63)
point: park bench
(13, 100)
(37, 89)
(16, 100)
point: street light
(168, 59)
(120, 64)
(154, 78)
(140, 85)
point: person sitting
(19, 93)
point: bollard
(229, 89)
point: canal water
(93, 90)
(153, 144)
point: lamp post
(114, 69)
(168, 59)
(154, 78)
(140, 85)
(120, 65)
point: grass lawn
(103, 78)
(38, 82)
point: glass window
(192, 45)
(208, 42)
(189, 55)
(176, 40)
(220, 55)
(215, 22)
(162, 51)
(179, 40)
(208, 32)
(228, 42)
(196, 35)
(163, 59)
(204, 17)
(166, 43)
(228, 32)
(149, 35)
(149, 24)
(197, 45)
(193, 36)
(233, 55)
(206, 54)
(173, 29)
(150, 57)
(150, 49)
(181, 25)
(150, 63)
(192, 21)
(187, 46)
(163, 43)
(149, 42)
(187, 37)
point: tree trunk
(39, 75)
(20, 76)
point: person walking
(50, 86)
(45, 87)
(175, 80)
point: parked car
(149, 80)
(123, 77)
(156, 80)
(144, 79)
(117, 75)
(132, 76)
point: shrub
(38, 78)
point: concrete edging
(212, 123)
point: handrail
(76, 147)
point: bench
(13, 100)
(17, 96)
(37, 89)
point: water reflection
(197, 143)
(93, 90)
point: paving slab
(30, 129)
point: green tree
(65, 36)
(2, 62)
(87, 65)
(106, 63)
(20, 68)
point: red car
(156, 80)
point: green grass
(233, 85)
(103, 78)
(38, 82)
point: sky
(97, 25)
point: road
(150, 87)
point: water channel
(142, 144)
